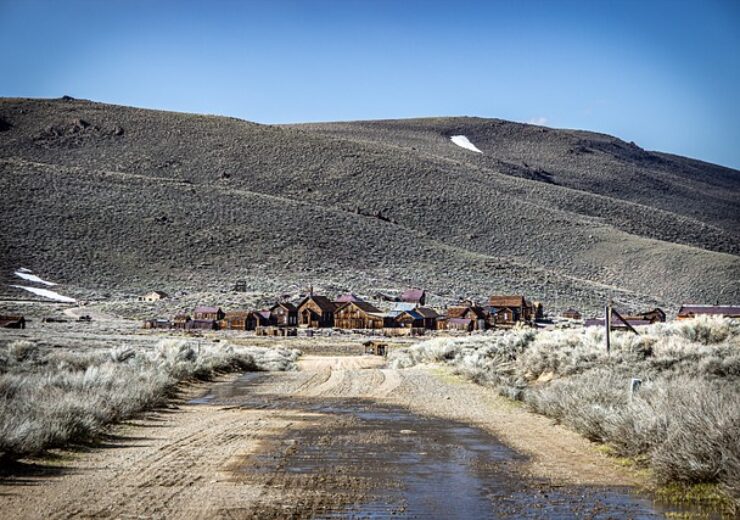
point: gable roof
(207, 310)
(349, 297)
(285, 305)
(412, 295)
(460, 311)
(427, 312)
(239, 315)
(507, 301)
(413, 313)
(365, 307)
(324, 303)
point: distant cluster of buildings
(408, 314)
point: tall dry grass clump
(684, 420)
(52, 398)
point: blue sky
(665, 74)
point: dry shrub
(55, 398)
(684, 420)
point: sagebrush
(50, 398)
(684, 420)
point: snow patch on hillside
(464, 142)
(26, 275)
(46, 293)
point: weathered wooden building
(419, 317)
(234, 320)
(358, 315)
(508, 310)
(284, 314)
(153, 296)
(416, 296)
(316, 311)
(691, 311)
(181, 321)
(657, 315)
(157, 323)
(460, 324)
(571, 314)
(12, 322)
(476, 314)
(197, 324)
(257, 319)
(203, 312)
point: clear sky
(665, 74)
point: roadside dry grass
(52, 398)
(683, 422)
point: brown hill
(114, 198)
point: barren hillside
(111, 198)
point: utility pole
(608, 324)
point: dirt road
(341, 437)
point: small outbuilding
(154, 296)
(12, 322)
(181, 321)
(572, 314)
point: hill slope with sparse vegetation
(122, 199)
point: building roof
(324, 303)
(349, 297)
(413, 313)
(366, 307)
(231, 315)
(265, 314)
(427, 312)
(506, 301)
(182, 317)
(207, 310)
(724, 310)
(402, 306)
(285, 305)
(460, 310)
(412, 295)
(161, 294)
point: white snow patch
(46, 293)
(462, 141)
(26, 275)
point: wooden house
(571, 314)
(687, 312)
(316, 311)
(198, 324)
(234, 320)
(12, 322)
(430, 317)
(508, 310)
(410, 320)
(416, 296)
(284, 314)
(358, 315)
(203, 312)
(476, 314)
(256, 319)
(657, 315)
(157, 323)
(153, 296)
(181, 321)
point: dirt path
(229, 459)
